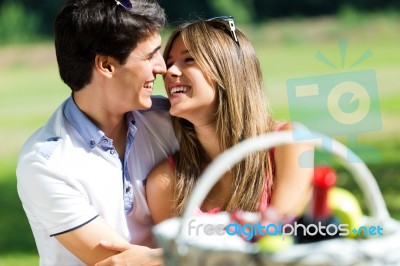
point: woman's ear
(104, 65)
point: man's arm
(131, 255)
(84, 241)
(87, 243)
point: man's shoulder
(158, 115)
(46, 139)
(159, 103)
(156, 124)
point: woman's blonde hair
(242, 113)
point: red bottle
(319, 223)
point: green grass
(17, 246)
(31, 89)
(19, 259)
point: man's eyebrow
(183, 52)
(155, 50)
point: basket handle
(219, 166)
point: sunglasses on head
(228, 25)
(125, 4)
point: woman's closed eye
(189, 60)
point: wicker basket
(185, 241)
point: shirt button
(128, 189)
(112, 151)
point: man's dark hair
(85, 28)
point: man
(81, 177)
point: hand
(131, 255)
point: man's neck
(104, 116)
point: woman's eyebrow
(182, 53)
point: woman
(215, 87)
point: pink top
(265, 198)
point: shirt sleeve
(50, 200)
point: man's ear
(104, 65)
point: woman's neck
(207, 136)
(220, 194)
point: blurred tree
(372, 5)
(16, 24)
(45, 11)
(242, 10)
(182, 10)
(266, 9)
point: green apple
(345, 208)
(273, 244)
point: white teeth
(178, 90)
(149, 85)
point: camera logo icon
(338, 104)
(348, 103)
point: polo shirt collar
(91, 134)
(131, 123)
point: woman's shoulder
(159, 191)
(161, 176)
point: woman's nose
(174, 70)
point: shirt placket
(128, 189)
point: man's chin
(146, 104)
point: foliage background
(24, 20)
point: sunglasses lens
(126, 4)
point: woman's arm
(293, 177)
(159, 192)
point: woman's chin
(174, 111)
